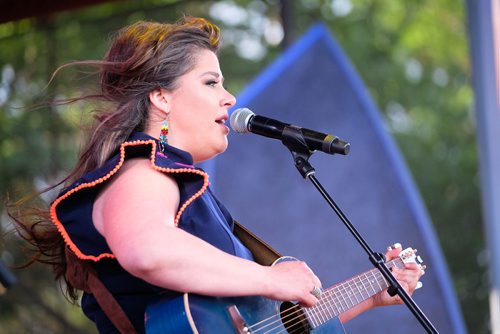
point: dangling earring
(164, 135)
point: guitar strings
(325, 299)
(291, 317)
(277, 319)
(281, 320)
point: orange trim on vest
(60, 226)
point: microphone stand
(293, 139)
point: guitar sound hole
(293, 318)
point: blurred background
(412, 55)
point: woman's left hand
(408, 278)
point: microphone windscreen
(240, 120)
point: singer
(136, 222)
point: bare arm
(136, 216)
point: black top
(200, 214)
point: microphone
(243, 120)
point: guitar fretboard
(345, 295)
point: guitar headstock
(409, 255)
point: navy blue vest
(200, 214)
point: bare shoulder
(137, 189)
(139, 175)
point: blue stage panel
(313, 85)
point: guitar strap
(82, 276)
(261, 251)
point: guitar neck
(345, 295)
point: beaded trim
(60, 226)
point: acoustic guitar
(191, 313)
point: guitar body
(246, 315)
(209, 315)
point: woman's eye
(212, 83)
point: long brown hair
(142, 57)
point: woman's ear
(159, 99)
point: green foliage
(411, 54)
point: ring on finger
(316, 291)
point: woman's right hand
(293, 281)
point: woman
(137, 219)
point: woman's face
(199, 109)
